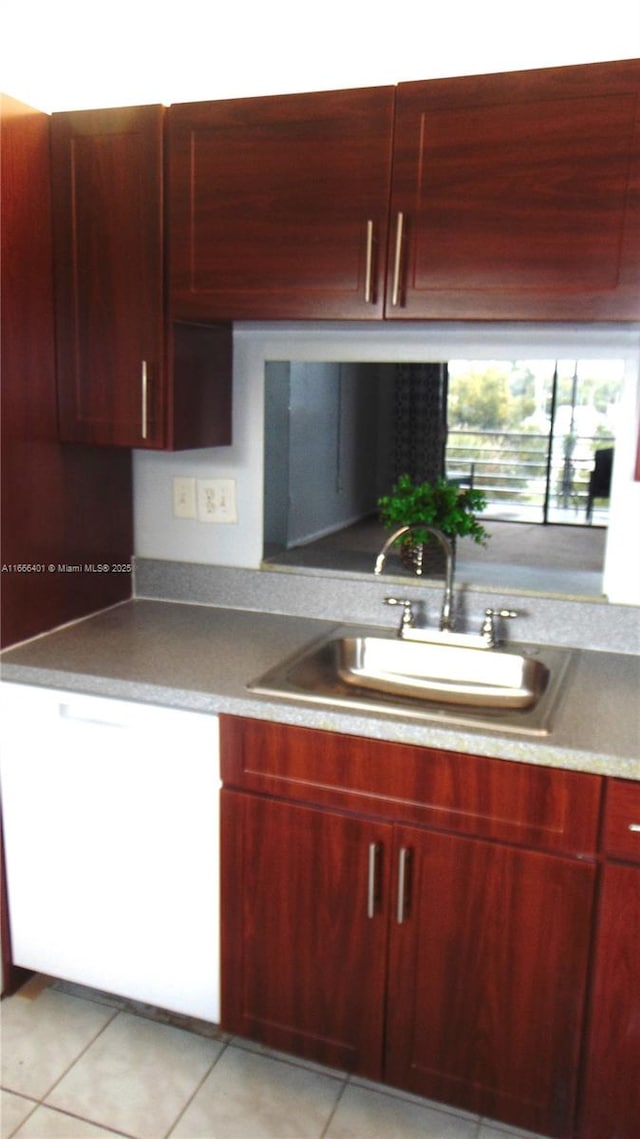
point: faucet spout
(445, 613)
(382, 556)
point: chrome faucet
(445, 614)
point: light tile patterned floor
(88, 1067)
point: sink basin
(462, 676)
(514, 688)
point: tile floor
(82, 1065)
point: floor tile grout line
(291, 1061)
(79, 1056)
(345, 1079)
(42, 1099)
(155, 1014)
(415, 1099)
(36, 1104)
(336, 1105)
(191, 1098)
(80, 1119)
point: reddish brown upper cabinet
(125, 377)
(278, 205)
(385, 911)
(611, 1108)
(517, 196)
(513, 197)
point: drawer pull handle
(635, 827)
(372, 886)
(368, 272)
(404, 868)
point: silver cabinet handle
(144, 380)
(395, 291)
(372, 891)
(368, 271)
(403, 878)
(635, 827)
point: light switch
(184, 498)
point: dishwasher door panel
(111, 817)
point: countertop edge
(539, 750)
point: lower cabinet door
(611, 1108)
(305, 931)
(488, 964)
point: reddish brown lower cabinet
(441, 958)
(488, 966)
(311, 971)
(611, 1102)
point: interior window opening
(536, 436)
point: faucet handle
(406, 621)
(488, 630)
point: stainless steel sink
(514, 688)
(463, 676)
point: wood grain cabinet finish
(54, 506)
(519, 196)
(611, 1106)
(445, 957)
(304, 959)
(539, 807)
(513, 196)
(278, 205)
(621, 832)
(487, 978)
(124, 376)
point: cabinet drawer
(621, 836)
(491, 798)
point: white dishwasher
(111, 828)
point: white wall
(159, 535)
(327, 447)
(65, 54)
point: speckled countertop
(202, 657)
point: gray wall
(326, 452)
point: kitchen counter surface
(202, 657)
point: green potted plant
(450, 508)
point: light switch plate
(217, 500)
(184, 498)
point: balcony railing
(525, 475)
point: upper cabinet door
(278, 206)
(107, 211)
(517, 196)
